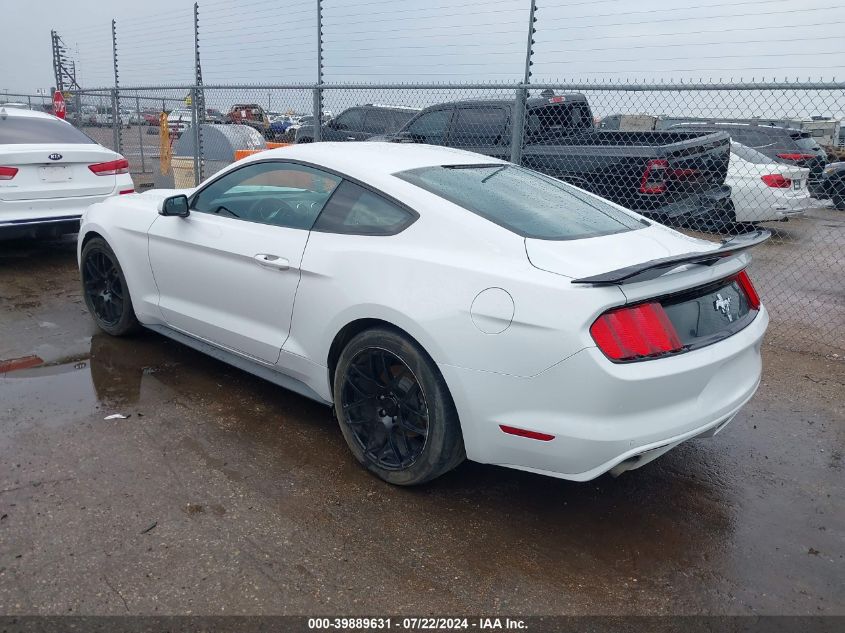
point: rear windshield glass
(805, 141)
(523, 201)
(22, 130)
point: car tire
(395, 410)
(105, 291)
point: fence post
(139, 118)
(115, 120)
(200, 94)
(318, 89)
(195, 130)
(518, 124)
(115, 117)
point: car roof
(568, 97)
(20, 112)
(775, 129)
(367, 161)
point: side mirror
(174, 205)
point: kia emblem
(55, 157)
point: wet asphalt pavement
(223, 494)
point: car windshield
(22, 130)
(523, 201)
(748, 154)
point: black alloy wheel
(394, 408)
(385, 407)
(105, 291)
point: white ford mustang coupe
(448, 305)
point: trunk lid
(577, 259)
(40, 177)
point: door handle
(272, 261)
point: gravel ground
(222, 494)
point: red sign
(59, 108)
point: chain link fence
(710, 160)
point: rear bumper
(39, 227)
(603, 414)
(704, 204)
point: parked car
(359, 123)
(49, 172)
(15, 104)
(446, 304)
(179, 120)
(762, 190)
(278, 126)
(250, 114)
(666, 175)
(832, 185)
(213, 115)
(151, 116)
(782, 145)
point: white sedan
(448, 305)
(762, 190)
(50, 172)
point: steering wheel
(268, 209)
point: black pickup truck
(663, 174)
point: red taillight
(111, 168)
(797, 156)
(532, 435)
(7, 173)
(557, 99)
(777, 181)
(748, 288)
(635, 332)
(125, 191)
(654, 176)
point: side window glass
(376, 121)
(358, 211)
(279, 194)
(480, 126)
(351, 120)
(431, 127)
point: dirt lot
(222, 494)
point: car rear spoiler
(657, 267)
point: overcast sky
(267, 41)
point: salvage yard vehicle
(250, 114)
(49, 172)
(762, 190)
(360, 123)
(780, 144)
(179, 120)
(447, 304)
(832, 185)
(665, 175)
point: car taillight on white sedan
(7, 173)
(778, 181)
(110, 168)
(649, 330)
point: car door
(228, 272)
(481, 129)
(347, 126)
(431, 127)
